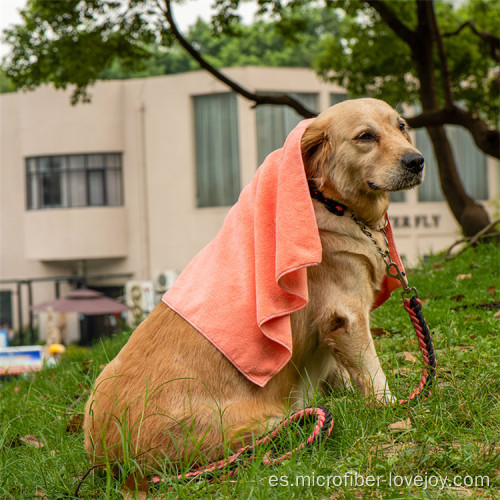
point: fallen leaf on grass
(401, 425)
(445, 351)
(489, 306)
(492, 290)
(39, 493)
(410, 357)
(465, 348)
(379, 332)
(128, 495)
(135, 488)
(32, 441)
(401, 372)
(75, 424)
(392, 449)
(86, 364)
(464, 276)
(445, 371)
(475, 317)
(12, 442)
(497, 315)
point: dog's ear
(316, 147)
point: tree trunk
(471, 215)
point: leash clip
(398, 274)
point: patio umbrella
(83, 301)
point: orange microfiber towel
(240, 290)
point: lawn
(445, 447)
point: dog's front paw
(386, 398)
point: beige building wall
(159, 227)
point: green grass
(454, 435)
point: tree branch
(486, 138)
(443, 60)
(258, 99)
(390, 18)
(491, 40)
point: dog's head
(358, 151)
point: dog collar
(332, 206)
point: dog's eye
(365, 137)
(402, 126)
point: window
(274, 123)
(67, 181)
(471, 165)
(5, 309)
(397, 196)
(217, 149)
(338, 97)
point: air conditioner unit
(164, 280)
(140, 296)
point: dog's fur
(170, 392)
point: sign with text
(415, 221)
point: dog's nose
(414, 162)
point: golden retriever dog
(171, 395)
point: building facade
(134, 184)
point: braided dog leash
(414, 308)
(423, 391)
(247, 454)
(323, 417)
